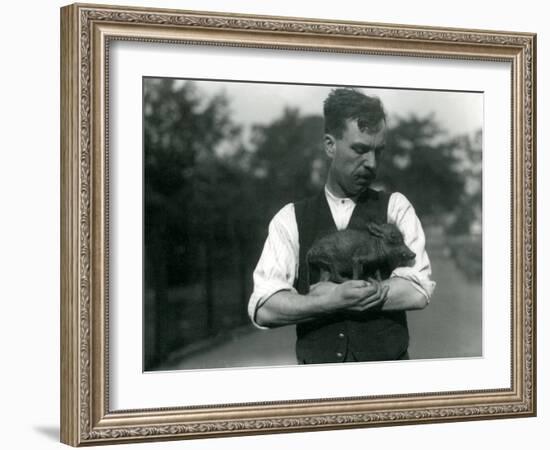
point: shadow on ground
(51, 432)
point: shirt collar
(331, 197)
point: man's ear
(330, 145)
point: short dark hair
(346, 103)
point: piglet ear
(375, 230)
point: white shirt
(277, 268)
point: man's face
(354, 158)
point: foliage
(288, 160)
(183, 178)
(184, 198)
(467, 217)
(419, 162)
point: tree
(420, 161)
(183, 130)
(468, 212)
(288, 161)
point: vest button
(339, 355)
(341, 335)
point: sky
(261, 103)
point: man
(356, 320)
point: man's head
(355, 128)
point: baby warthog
(354, 254)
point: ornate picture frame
(87, 31)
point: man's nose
(369, 160)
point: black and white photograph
(285, 224)
(295, 224)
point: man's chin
(356, 191)
(361, 185)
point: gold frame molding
(86, 31)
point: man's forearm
(403, 296)
(286, 308)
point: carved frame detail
(86, 33)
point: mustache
(366, 173)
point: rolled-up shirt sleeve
(402, 214)
(278, 265)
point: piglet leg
(362, 266)
(357, 266)
(325, 275)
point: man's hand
(353, 295)
(285, 307)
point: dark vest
(368, 336)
